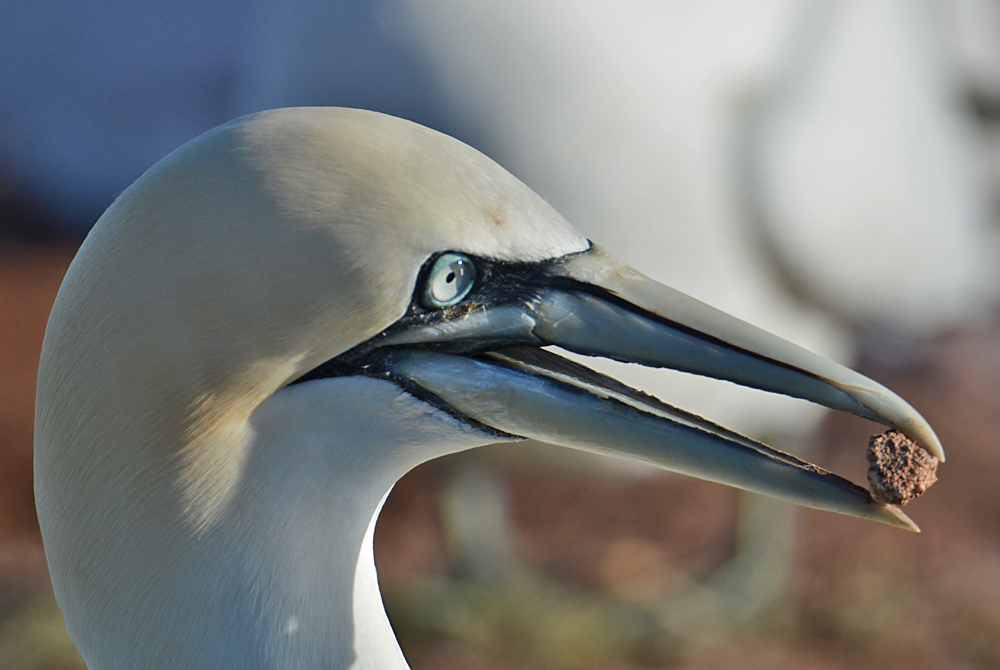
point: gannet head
(280, 318)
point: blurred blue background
(94, 93)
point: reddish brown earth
(860, 594)
(30, 275)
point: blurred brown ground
(862, 595)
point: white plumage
(241, 363)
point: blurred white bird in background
(776, 158)
(868, 170)
(631, 117)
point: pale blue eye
(451, 278)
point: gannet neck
(285, 579)
(355, 438)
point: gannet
(282, 317)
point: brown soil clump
(898, 469)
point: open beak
(592, 304)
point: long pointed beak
(667, 328)
(592, 304)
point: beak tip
(893, 516)
(938, 452)
(925, 436)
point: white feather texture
(184, 501)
